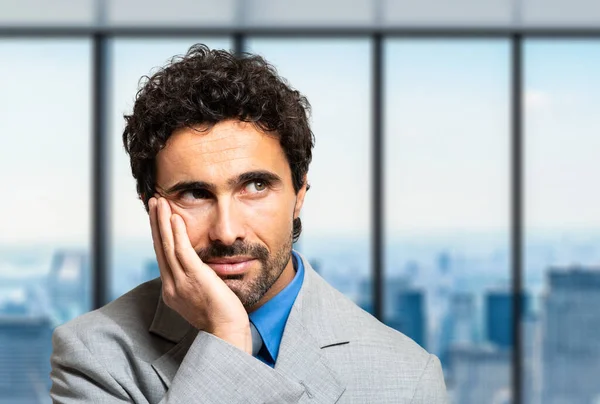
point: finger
(168, 243)
(165, 270)
(184, 251)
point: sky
(446, 126)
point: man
(220, 147)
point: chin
(235, 284)
(240, 289)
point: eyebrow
(259, 175)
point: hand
(192, 288)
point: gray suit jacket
(138, 350)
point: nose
(227, 225)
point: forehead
(227, 149)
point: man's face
(232, 185)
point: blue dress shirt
(270, 318)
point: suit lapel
(167, 323)
(167, 365)
(310, 329)
(301, 359)
(170, 325)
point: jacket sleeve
(77, 376)
(431, 388)
(212, 371)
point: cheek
(265, 211)
(271, 219)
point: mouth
(230, 265)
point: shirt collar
(270, 318)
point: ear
(300, 197)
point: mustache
(220, 250)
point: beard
(250, 291)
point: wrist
(240, 336)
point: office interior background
(454, 182)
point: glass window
(45, 206)
(335, 76)
(132, 256)
(447, 207)
(562, 255)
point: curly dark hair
(205, 87)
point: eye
(255, 187)
(192, 194)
